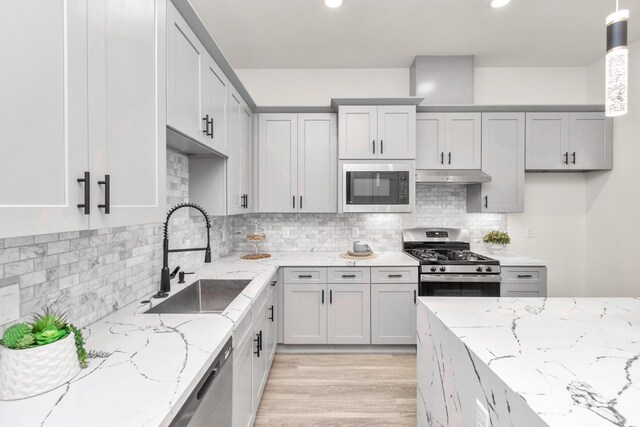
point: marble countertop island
(142, 367)
(530, 362)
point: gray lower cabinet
(569, 141)
(271, 339)
(260, 364)
(305, 313)
(522, 282)
(242, 380)
(503, 158)
(393, 313)
(348, 314)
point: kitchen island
(529, 362)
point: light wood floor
(340, 390)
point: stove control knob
(443, 269)
(433, 269)
(479, 269)
(489, 270)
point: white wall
(613, 198)
(555, 204)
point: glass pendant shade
(617, 64)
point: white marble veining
(557, 362)
(143, 366)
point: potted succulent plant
(497, 240)
(40, 355)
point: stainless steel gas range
(448, 267)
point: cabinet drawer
(305, 275)
(394, 275)
(523, 290)
(348, 275)
(522, 275)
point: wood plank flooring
(340, 390)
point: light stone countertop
(510, 259)
(145, 365)
(574, 362)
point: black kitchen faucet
(165, 279)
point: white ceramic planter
(495, 248)
(26, 373)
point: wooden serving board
(347, 256)
(256, 256)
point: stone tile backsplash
(436, 206)
(91, 273)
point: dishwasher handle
(205, 386)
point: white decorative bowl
(33, 371)
(496, 248)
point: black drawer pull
(323, 296)
(257, 341)
(348, 276)
(305, 276)
(394, 276)
(524, 276)
(107, 194)
(330, 296)
(415, 296)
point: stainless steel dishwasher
(210, 403)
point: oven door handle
(456, 278)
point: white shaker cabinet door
(234, 163)
(186, 58)
(397, 132)
(358, 132)
(43, 116)
(260, 369)
(349, 313)
(215, 90)
(317, 163)
(547, 141)
(246, 157)
(242, 384)
(463, 141)
(271, 341)
(590, 141)
(127, 111)
(430, 141)
(393, 313)
(278, 162)
(305, 313)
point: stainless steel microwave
(384, 187)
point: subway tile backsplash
(91, 273)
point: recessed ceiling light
(499, 3)
(333, 3)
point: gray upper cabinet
(297, 163)
(196, 87)
(235, 199)
(127, 120)
(503, 153)
(246, 157)
(449, 141)
(383, 132)
(569, 141)
(44, 116)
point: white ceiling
(389, 33)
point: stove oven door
(468, 285)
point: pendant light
(617, 63)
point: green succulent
(497, 237)
(14, 334)
(50, 334)
(82, 353)
(28, 340)
(48, 318)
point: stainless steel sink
(203, 296)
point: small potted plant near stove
(497, 241)
(40, 355)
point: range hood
(451, 176)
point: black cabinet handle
(257, 341)
(87, 193)
(486, 201)
(442, 158)
(294, 202)
(381, 146)
(348, 276)
(107, 194)
(374, 146)
(566, 158)
(206, 125)
(449, 157)
(394, 276)
(524, 276)
(415, 296)
(323, 296)
(304, 276)
(260, 340)
(275, 282)
(331, 296)
(300, 202)
(573, 158)
(271, 310)
(211, 124)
